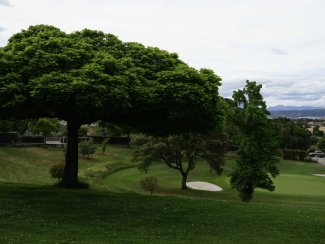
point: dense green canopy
(88, 75)
(257, 155)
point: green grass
(47, 215)
(117, 210)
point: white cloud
(278, 51)
(236, 38)
(4, 2)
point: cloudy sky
(278, 43)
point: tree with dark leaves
(182, 152)
(257, 155)
(86, 76)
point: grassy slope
(46, 215)
(295, 183)
(43, 214)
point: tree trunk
(184, 178)
(70, 175)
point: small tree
(104, 145)
(83, 131)
(181, 152)
(56, 171)
(87, 147)
(149, 183)
(317, 131)
(257, 153)
(321, 144)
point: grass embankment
(32, 211)
(47, 215)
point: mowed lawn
(116, 210)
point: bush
(8, 137)
(302, 155)
(104, 146)
(32, 139)
(149, 183)
(312, 148)
(321, 144)
(56, 171)
(87, 148)
(294, 154)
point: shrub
(8, 138)
(87, 147)
(312, 148)
(321, 144)
(294, 154)
(149, 183)
(56, 171)
(104, 146)
(32, 139)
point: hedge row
(13, 137)
(294, 154)
(31, 139)
(8, 137)
(99, 139)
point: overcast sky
(278, 43)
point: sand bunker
(204, 186)
(323, 175)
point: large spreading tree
(86, 76)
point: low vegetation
(56, 171)
(31, 207)
(149, 183)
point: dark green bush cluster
(294, 154)
(32, 139)
(56, 171)
(87, 147)
(149, 183)
(8, 137)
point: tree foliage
(258, 148)
(44, 126)
(20, 126)
(317, 131)
(87, 148)
(149, 183)
(292, 134)
(181, 152)
(321, 144)
(56, 171)
(87, 75)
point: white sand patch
(322, 175)
(204, 186)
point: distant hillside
(293, 108)
(314, 113)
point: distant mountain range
(292, 108)
(297, 111)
